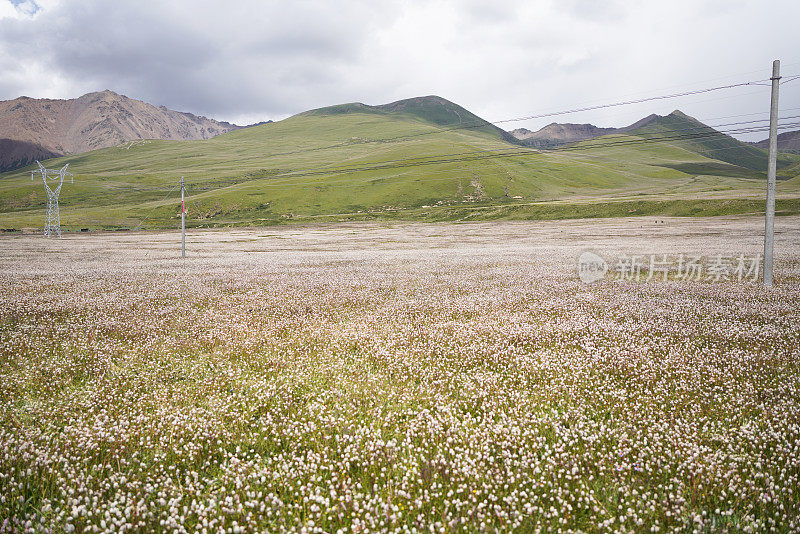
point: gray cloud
(251, 60)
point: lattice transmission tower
(52, 221)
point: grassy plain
(397, 377)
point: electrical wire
(628, 102)
(142, 221)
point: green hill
(422, 158)
(701, 139)
(429, 109)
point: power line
(142, 221)
(704, 127)
(681, 137)
(629, 112)
(628, 102)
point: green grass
(297, 169)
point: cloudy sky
(251, 60)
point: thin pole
(183, 223)
(769, 229)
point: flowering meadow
(407, 378)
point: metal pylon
(52, 221)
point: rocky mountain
(14, 153)
(558, 134)
(40, 128)
(555, 134)
(787, 142)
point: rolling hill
(423, 158)
(33, 129)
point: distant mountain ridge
(42, 128)
(558, 134)
(555, 134)
(787, 142)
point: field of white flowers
(407, 378)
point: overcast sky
(251, 60)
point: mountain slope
(37, 128)
(688, 132)
(14, 153)
(787, 142)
